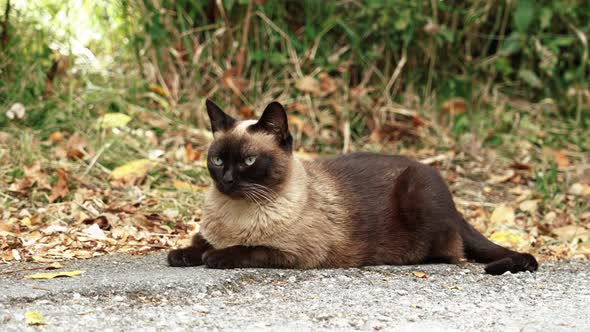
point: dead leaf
(133, 170)
(420, 274)
(37, 175)
(34, 318)
(454, 106)
(502, 215)
(495, 179)
(247, 112)
(158, 90)
(572, 232)
(112, 120)
(529, 206)
(95, 232)
(56, 137)
(308, 84)
(75, 148)
(60, 189)
(190, 154)
(186, 186)
(54, 266)
(54, 275)
(579, 189)
(16, 111)
(509, 239)
(101, 221)
(561, 159)
(327, 84)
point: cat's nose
(228, 178)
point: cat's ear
(219, 120)
(274, 121)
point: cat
(267, 208)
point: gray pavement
(128, 293)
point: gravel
(143, 294)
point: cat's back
(364, 170)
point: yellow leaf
(34, 318)
(135, 168)
(502, 215)
(158, 90)
(54, 275)
(507, 238)
(112, 120)
(420, 274)
(181, 185)
(54, 266)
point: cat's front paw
(189, 256)
(219, 259)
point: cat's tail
(499, 259)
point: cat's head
(250, 159)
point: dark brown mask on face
(250, 159)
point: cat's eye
(249, 161)
(216, 161)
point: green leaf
(530, 78)
(524, 14)
(512, 44)
(403, 20)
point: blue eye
(216, 161)
(249, 161)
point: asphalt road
(126, 293)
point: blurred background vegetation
(360, 62)
(102, 105)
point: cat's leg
(242, 256)
(191, 255)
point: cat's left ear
(274, 121)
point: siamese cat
(268, 208)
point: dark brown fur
(355, 210)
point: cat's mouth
(252, 192)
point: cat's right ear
(219, 120)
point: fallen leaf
(133, 169)
(327, 84)
(158, 90)
(561, 159)
(246, 112)
(420, 274)
(186, 186)
(75, 148)
(308, 84)
(54, 275)
(95, 232)
(112, 120)
(579, 189)
(502, 215)
(37, 175)
(101, 221)
(190, 154)
(60, 189)
(509, 239)
(529, 206)
(16, 111)
(509, 174)
(572, 232)
(56, 137)
(34, 318)
(454, 106)
(54, 266)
